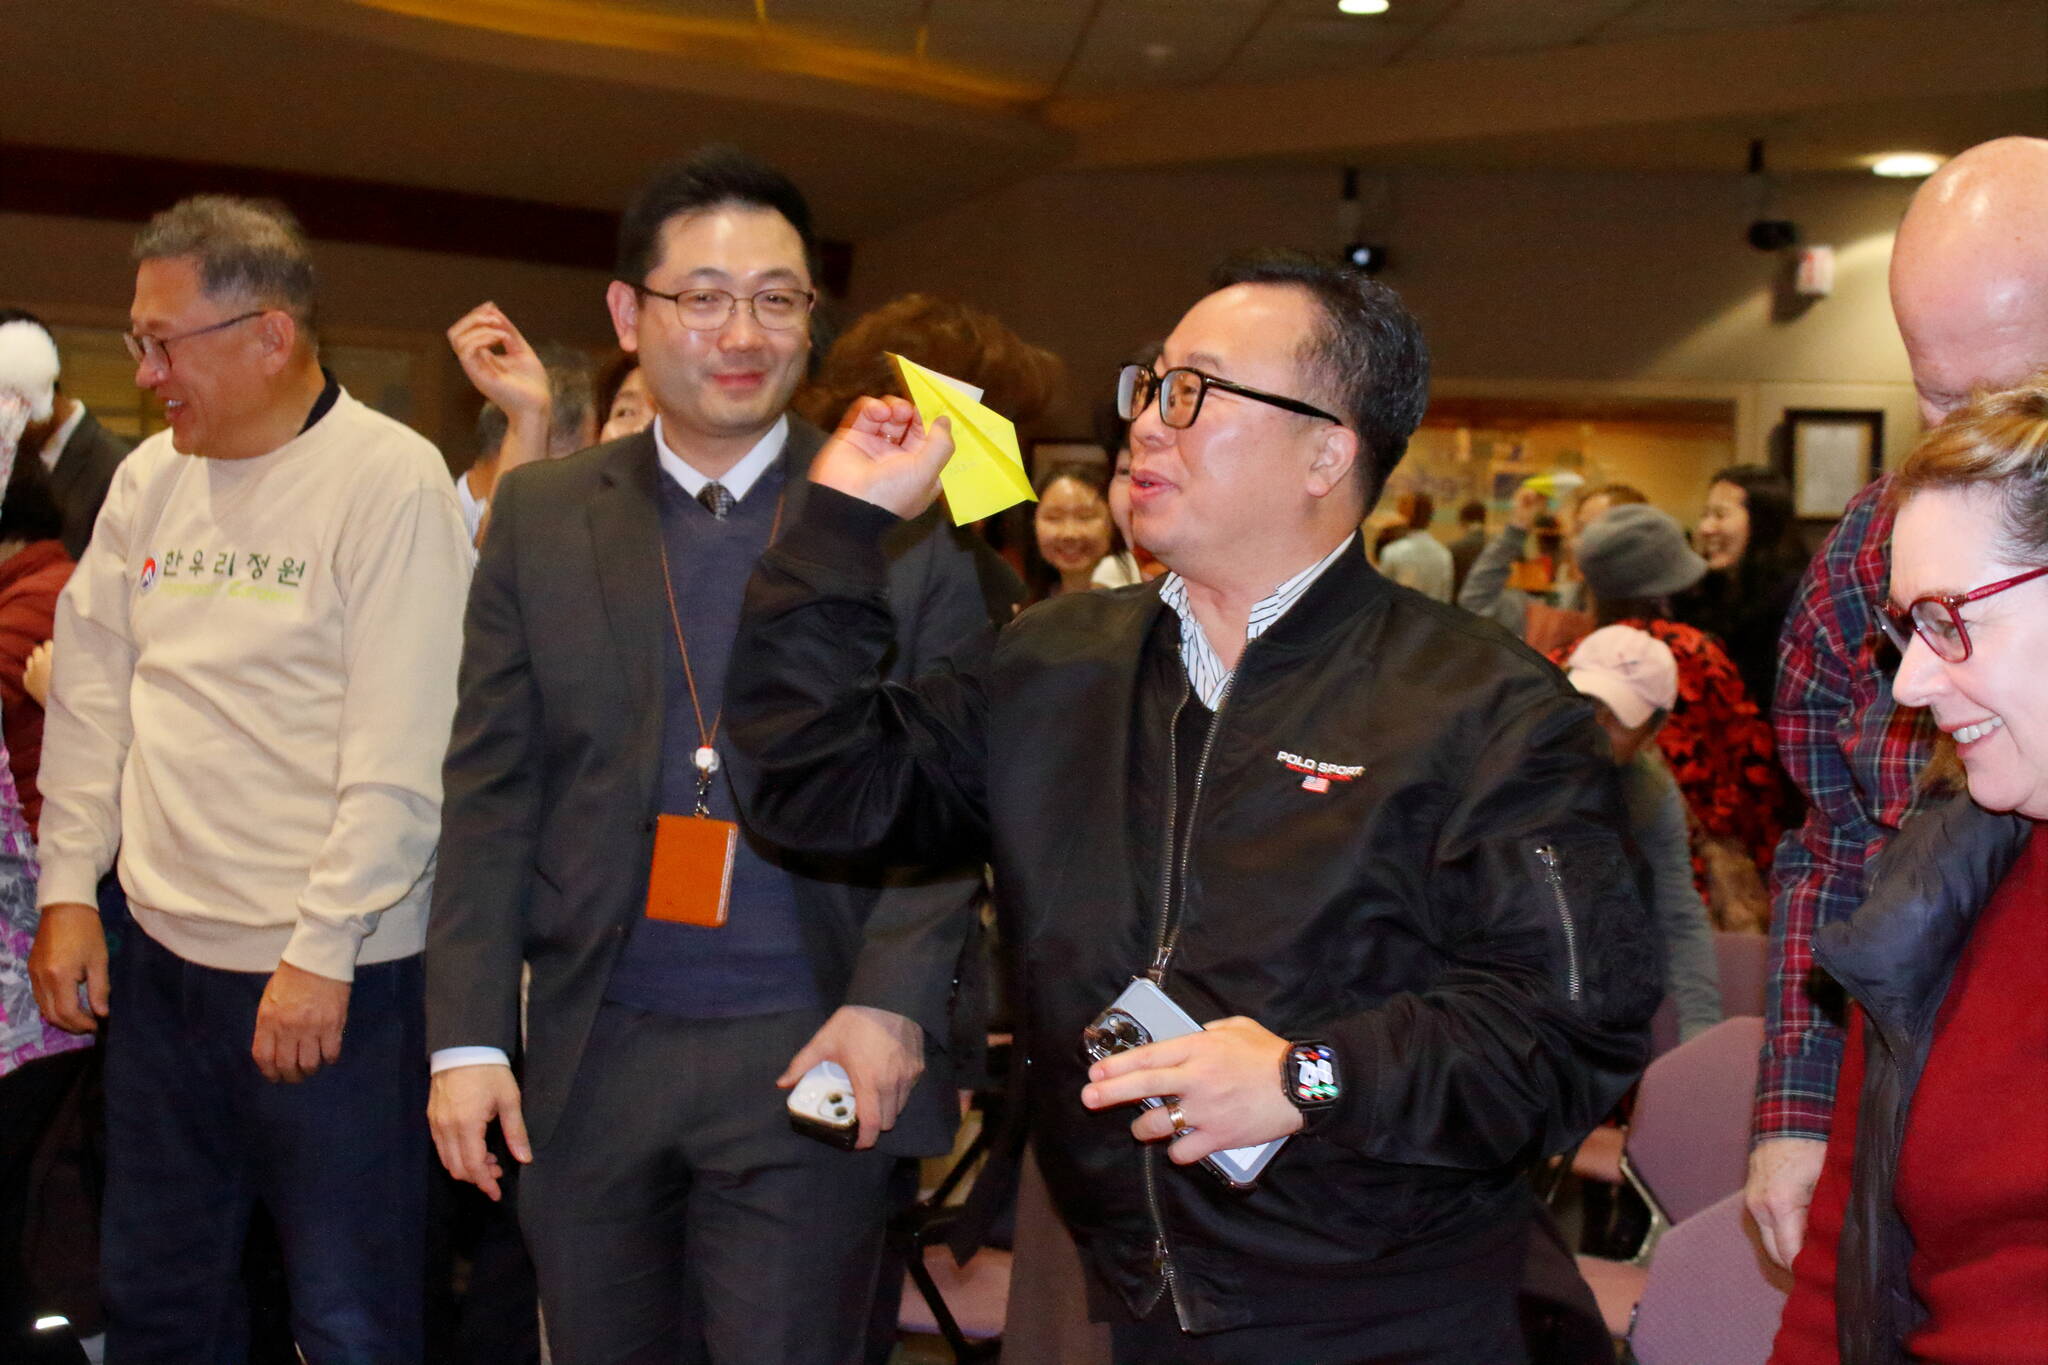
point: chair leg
(949, 1327)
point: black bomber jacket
(1451, 903)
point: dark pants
(31, 1098)
(674, 1216)
(1464, 1315)
(196, 1136)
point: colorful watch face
(1312, 1074)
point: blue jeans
(195, 1136)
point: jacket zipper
(1547, 855)
(1167, 939)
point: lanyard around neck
(706, 756)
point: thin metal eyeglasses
(1184, 390)
(707, 310)
(1937, 620)
(157, 350)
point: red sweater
(1973, 1174)
(29, 584)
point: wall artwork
(1829, 454)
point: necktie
(717, 499)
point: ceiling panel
(1160, 44)
(1309, 37)
(884, 25)
(1695, 16)
(1481, 26)
(1027, 40)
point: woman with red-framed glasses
(1928, 1234)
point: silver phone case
(1146, 1014)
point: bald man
(1969, 284)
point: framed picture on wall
(1829, 454)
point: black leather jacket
(1456, 913)
(1896, 956)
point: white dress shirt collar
(1206, 673)
(740, 477)
(53, 448)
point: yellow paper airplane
(986, 473)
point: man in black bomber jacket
(1337, 822)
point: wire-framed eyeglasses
(1938, 620)
(149, 350)
(707, 310)
(1180, 392)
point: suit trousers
(675, 1216)
(195, 1136)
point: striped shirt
(1206, 673)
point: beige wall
(1530, 283)
(1539, 284)
(76, 271)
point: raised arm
(829, 757)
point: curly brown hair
(1018, 380)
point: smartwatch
(1308, 1077)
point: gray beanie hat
(1637, 551)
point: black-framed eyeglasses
(1937, 619)
(148, 350)
(707, 310)
(1180, 392)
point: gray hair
(247, 250)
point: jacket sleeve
(491, 819)
(1486, 592)
(829, 758)
(1539, 1021)
(911, 944)
(1692, 977)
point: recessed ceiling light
(1362, 6)
(1906, 165)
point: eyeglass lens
(1935, 622)
(707, 310)
(1179, 393)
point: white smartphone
(1146, 1014)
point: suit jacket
(84, 472)
(553, 782)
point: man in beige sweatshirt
(255, 675)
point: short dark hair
(1369, 353)
(710, 177)
(249, 249)
(1472, 513)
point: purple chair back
(1712, 1297)
(1689, 1140)
(1743, 961)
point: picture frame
(1828, 455)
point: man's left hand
(298, 1025)
(883, 1054)
(1226, 1080)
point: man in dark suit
(80, 454)
(672, 1211)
